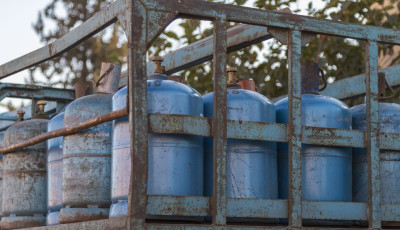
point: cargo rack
(144, 20)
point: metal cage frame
(143, 21)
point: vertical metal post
(294, 132)
(219, 123)
(372, 136)
(137, 91)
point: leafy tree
(340, 58)
(83, 61)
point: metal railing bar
(66, 131)
(219, 123)
(137, 106)
(35, 92)
(372, 138)
(249, 130)
(294, 128)
(106, 224)
(202, 51)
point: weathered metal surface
(251, 164)
(137, 105)
(294, 129)
(73, 214)
(390, 212)
(35, 92)
(333, 137)
(252, 130)
(86, 160)
(16, 222)
(184, 124)
(201, 51)
(178, 206)
(257, 208)
(219, 123)
(120, 159)
(66, 131)
(249, 130)
(24, 177)
(176, 161)
(355, 86)
(254, 208)
(54, 171)
(208, 227)
(389, 160)
(372, 135)
(205, 10)
(117, 224)
(326, 170)
(334, 210)
(389, 141)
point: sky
(18, 37)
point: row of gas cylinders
(88, 173)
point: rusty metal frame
(143, 21)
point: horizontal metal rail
(208, 10)
(250, 208)
(237, 129)
(66, 131)
(36, 92)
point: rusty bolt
(41, 105)
(157, 64)
(20, 115)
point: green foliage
(265, 63)
(83, 61)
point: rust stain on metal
(66, 131)
(50, 49)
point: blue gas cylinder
(54, 171)
(86, 170)
(389, 122)
(24, 174)
(251, 164)
(175, 160)
(326, 171)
